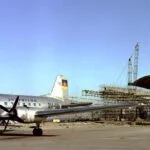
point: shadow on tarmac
(11, 136)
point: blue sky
(89, 41)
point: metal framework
(136, 55)
(130, 70)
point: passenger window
(34, 104)
(39, 104)
(29, 104)
(5, 103)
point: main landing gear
(37, 131)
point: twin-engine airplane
(36, 109)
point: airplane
(58, 98)
(36, 109)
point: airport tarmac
(79, 137)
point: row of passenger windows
(23, 100)
(22, 104)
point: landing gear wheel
(37, 132)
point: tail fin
(60, 88)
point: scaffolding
(119, 94)
(114, 94)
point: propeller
(15, 104)
(12, 113)
(4, 108)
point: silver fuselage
(39, 102)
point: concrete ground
(79, 136)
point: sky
(88, 41)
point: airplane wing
(73, 110)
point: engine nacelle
(28, 115)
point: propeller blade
(16, 118)
(19, 119)
(4, 108)
(15, 104)
(12, 113)
(6, 126)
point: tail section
(60, 88)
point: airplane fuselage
(39, 102)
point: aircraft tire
(37, 132)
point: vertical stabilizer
(60, 88)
